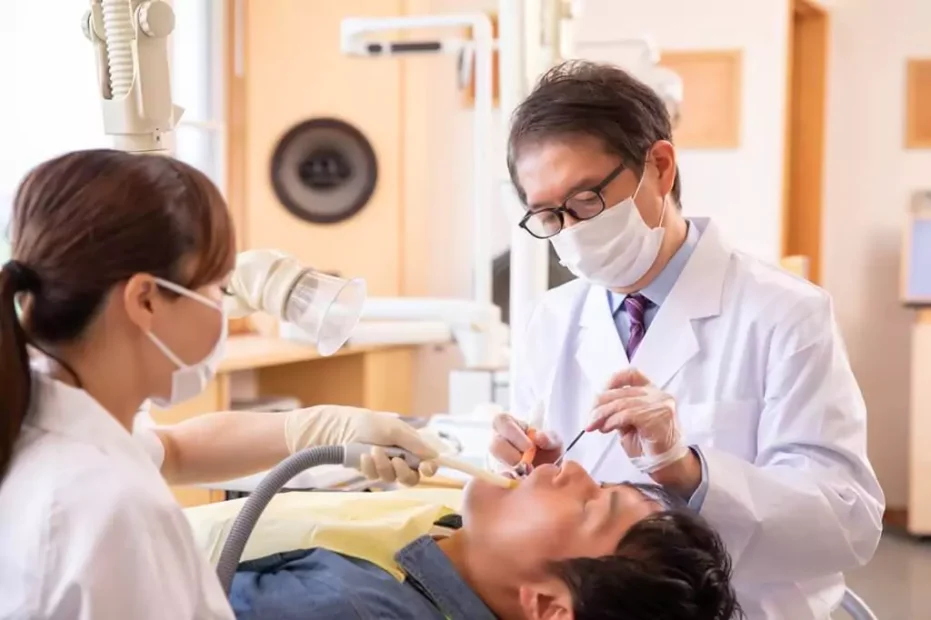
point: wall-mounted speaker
(324, 170)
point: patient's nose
(572, 472)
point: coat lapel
(670, 341)
(600, 353)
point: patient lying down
(558, 547)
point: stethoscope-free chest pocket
(729, 425)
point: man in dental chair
(558, 547)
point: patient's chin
(478, 493)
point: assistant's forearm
(222, 446)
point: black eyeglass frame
(561, 210)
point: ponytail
(15, 378)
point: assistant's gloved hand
(333, 425)
(646, 418)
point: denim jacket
(322, 585)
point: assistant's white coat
(88, 527)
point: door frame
(806, 102)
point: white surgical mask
(614, 249)
(189, 380)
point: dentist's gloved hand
(646, 419)
(333, 425)
(511, 440)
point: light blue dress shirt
(657, 292)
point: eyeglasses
(583, 205)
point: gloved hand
(333, 425)
(646, 418)
(511, 440)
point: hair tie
(24, 278)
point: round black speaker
(324, 170)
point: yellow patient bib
(368, 526)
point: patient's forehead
(638, 492)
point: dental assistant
(119, 267)
(717, 375)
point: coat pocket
(729, 425)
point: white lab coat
(762, 382)
(88, 527)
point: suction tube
(349, 455)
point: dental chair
(856, 607)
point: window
(198, 59)
(50, 96)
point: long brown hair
(84, 222)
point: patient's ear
(547, 600)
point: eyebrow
(652, 492)
(585, 184)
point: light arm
(130, 40)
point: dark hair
(84, 222)
(669, 566)
(600, 100)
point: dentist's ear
(663, 156)
(548, 600)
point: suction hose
(349, 455)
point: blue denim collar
(429, 570)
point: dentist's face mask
(614, 249)
(189, 380)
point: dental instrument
(526, 460)
(569, 447)
(476, 472)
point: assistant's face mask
(614, 249)
(189, 380)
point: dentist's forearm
(222, 446)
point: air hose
(118, 28)
(349, 455)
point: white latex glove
(333, 425)
(511, 440)
(646, 418)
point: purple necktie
(636, 307)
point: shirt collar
(658, 290)
(71, 412)
(429, 570)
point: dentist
(717, 375)
(117, 278)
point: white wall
(49, 101)
(869, 181)
(741, 188)
(50, 95)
